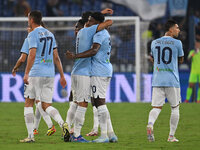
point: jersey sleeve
(152, 45)
(32, 40)
(98, 38)
(25, 47)
(54, 44)
(190, 53)
(180, 49)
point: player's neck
(35, 26)
(168, 34)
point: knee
(175, 110)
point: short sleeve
(152, 45)
(180, 49)
(54, 44)
(25, 47)
(98, 38)
(32, 41)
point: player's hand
(70, 55)
(26, 79)
(63, 82)
(107, 11)
(14, 72)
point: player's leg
(192, 81)
(94, 131)
(47, 119)
(158, 100)
(45, 94)
(198, 93)
(71, 111)
(174, 98)
(99, 87)
(37, 119)
(28, 110)
(82, 96)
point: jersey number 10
(164, 50)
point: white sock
(45, 115)
(53, 112)
(79, 120)
(174, 120)
(29, 118)
(37, 118)
(96, 119)
(71, 113)
(109, 126)
(103, 116)
(153, 115)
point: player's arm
(30, 62)
(181, 59)
(151, 59)
(89, 53)
(19, 62)
(107, 11)
(58, 64)
(104, 25)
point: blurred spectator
(22, 8)
(53, 8)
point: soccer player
(39, 74)
(38, 111)
(73, 105)
(101, 72)
(166, 53)
(81, 76)
(194, 56)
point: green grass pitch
(129, 122)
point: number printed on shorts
(94, 89)
(164, 50)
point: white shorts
(80, 87)
(40, 88)
(99, 86)
(172, 94)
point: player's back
(44, 42)
(101, 65)
(165, 52)
(82, 66)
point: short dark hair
(81, 22)
(170, 23)
(85, 16)
(37, 16)
(98, 16)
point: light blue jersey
(25, 47)
(82, 66)
(44, 42)
(101, 65)
(165, 52)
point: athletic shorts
(40, 88)
(194, 78)
(99, 86)
(80, 87)
(172, 94)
